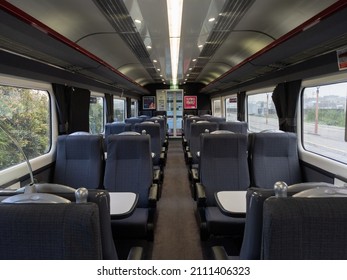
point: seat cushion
(220, 224)
(134, 226)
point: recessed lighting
(160, 75)
(194, 59)
(190, 69)
(187, 75)
(174, 12)
(158, 69)
(138, 21)
(149, 47)
(200, 46)
(155, 61)
(211, 19)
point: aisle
(177, 235)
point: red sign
(190, 102)
(342, 59)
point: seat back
(79, 161)
(132, 121)
(195, 130)
(153, 130)
(305, 228)
(223, 163)
(50, 232)
(218, 120)
(236, 127)
(252, 238)
(163, 127)
(187, 123)
(102, 199)
(251, 243)
(129, 165)
(274, 157)
(116, 128)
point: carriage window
(25, 116)
(217, 108)
(96, 115)
(261, 112)
(134, 107)
(231, 109)
(119, 109)
(324, 120)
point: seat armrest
(153, 196)
(189, 158)
(185, 142)
(219, 253)
(162, 159)
(195, 175)
(136, 253)
(200, 195)
(156, 176)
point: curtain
(285, 98)
(61, 105)
(109, 107)
(241, 110)
(79, 102)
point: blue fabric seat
(274, 157)
(305, 229)
(236, 127)
(223, 167)
(132, 121)
(252, 238)
(153, 129)
(129, 169)
(80, 161)
(196, 129)
(50, 232)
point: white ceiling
(82, 22)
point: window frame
(220, 100)
(125, 106)
(337, 168)
(136, 107)
(252, 93)
(11, 174)
(225, 106)
(98, 94)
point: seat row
(308, 224)
(227, 162)
(58, 222)
(127, 168)
(191, 139)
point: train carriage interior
(175, 129)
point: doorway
(174, 105)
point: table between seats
(232, 203)
(122, 204)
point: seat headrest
(80, 133)
(129, 133)
(222, 132)
(326, 191)
(272, 131)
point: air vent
(230, 16)
(117, 14)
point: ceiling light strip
(174, 12)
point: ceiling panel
(108, 30)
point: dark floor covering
(176, 236)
